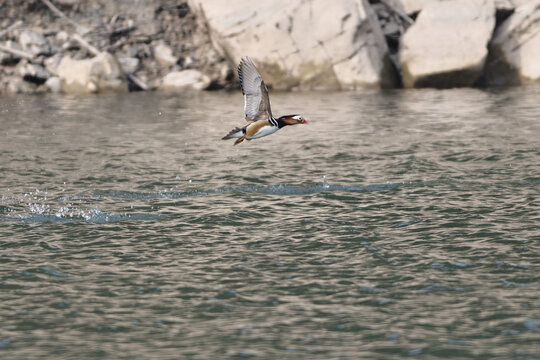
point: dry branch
(11, 27)
(16, 52)
(80, 29)
(92, 49)
(138, 81)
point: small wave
(281, 189)
(53, 272)
(95, 216)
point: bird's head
(293, 119)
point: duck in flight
(259, 116)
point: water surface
(401, 224)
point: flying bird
(259, 116)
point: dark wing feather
(256, 100)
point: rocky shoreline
(105, 46)
(93, 46)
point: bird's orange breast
(254, 127)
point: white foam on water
(37, 206)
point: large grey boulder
(515, 49)
(100, 74)
(310, 44)
(447, 45)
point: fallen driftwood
(137, 81)
(122, 30)
(92, 49)
(80, 29)
(116, 45)
(19, 53)
(11, 27)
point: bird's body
(259, 116)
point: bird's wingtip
(246, 60)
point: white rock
(413, 6)
(54, 84)
(191, 79)
(447, 45)
(99, 74)
(129, 64)
(314, 44)
(224, 71)
(164, 55)
(62, 36)
(188, 62)
(515, 48)
(33, 42)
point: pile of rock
(101, 46)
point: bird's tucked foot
(240, 140)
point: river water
(400, 224)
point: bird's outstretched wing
(256, 100)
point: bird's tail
(235, 133)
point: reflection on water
(396, 224)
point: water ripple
(129, 230)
